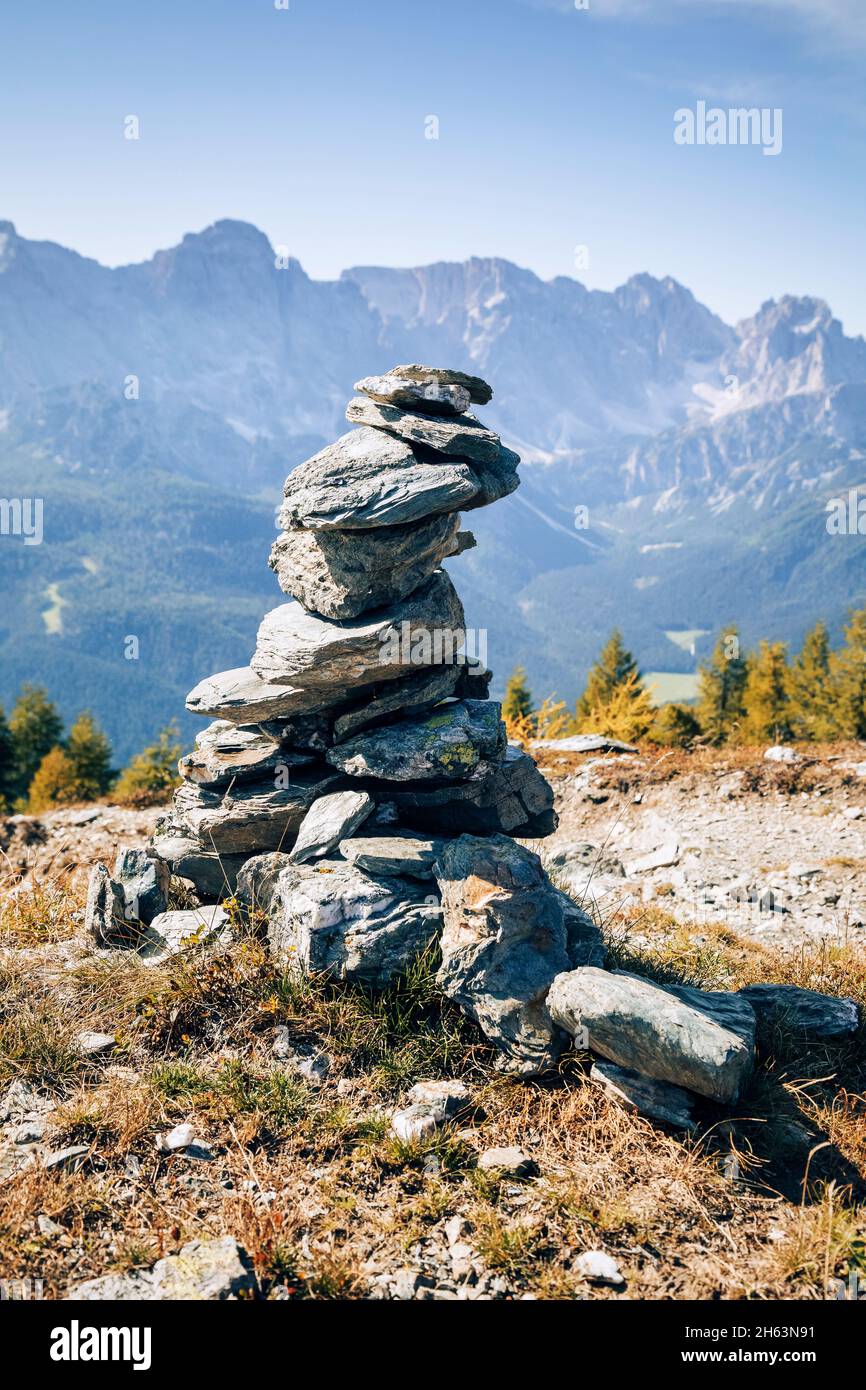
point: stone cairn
(356, 786)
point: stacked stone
(360, 737)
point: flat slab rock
(341, 574)
(450, 744)
(226, 752)
(370, 478)
(242, 696)
(394, 856)
(252, 815)
(478, 390)
(329, 820)
(658, 1100)
(173, 932)
(330, 918)
(681, 1036)
(202, 1270)
(411, 694)
(513, 799)
(811, 1016)
(294, 647)
(462, 436)
(503, 944)
(416, 392)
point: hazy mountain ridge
(720, 444)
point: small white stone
(598, 1268)
(90, 1043)
(178, 1138)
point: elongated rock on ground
(330, 819)
(202, 1270)
(330, 918)
(451, 743)
(369, 478)
(503, 944)
(462, 436)
(225, 752)
(294, 647)
(252, 815)
(658, 1100)
(803, 1013)
(642, 1026)
(340, 574)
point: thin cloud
(843, 20)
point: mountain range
(676, 469)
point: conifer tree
(721, 683)
(152, 774)
(813, 712)
(766, 703)
(7, 765)
(36, 728)
(615, 666)
(848, 672)
(517, 703)
(90, 754)
(54, 783)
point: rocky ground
(209, 1125)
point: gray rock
(585, 743)
(513, 799)
(446, 1098)
(212, 875)
(329, 918)
(479, 390)
(503, 943)
(202, 1270)
(369, 478)
(243, 697)
(322, 654)
(258, 881)
(808, 1015)
(584, 940)
(329, 820)
(177, 1139)
(30, 1131)
(495, 479)
(414, 393)
(415, 1123)
(70, 1159)
(341, 574)
(226, 752)
(453, 742)
(510, 1161)
(658, 1100)
(647, 1028)
(91, 1044)
(190, 930)
(462, 437)
(396, 856)
(145, 881)
(105, 920)
(252, 815)
(599, 1268)
(410, 694)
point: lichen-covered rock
(252, 815)
(226, 752)
(513, 798)
(329, 820)
(202, 1270)
(105, 920)
(412, 694)
(453, 742)
(294, 647)
(330, 918)
(340, 574)
(503, 943)
(652, 1030)
(461, 437)
(370, 478)
(145, 881)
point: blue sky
(555, 130)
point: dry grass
(767, 1203)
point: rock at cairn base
(328, 821)
(503, 944)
